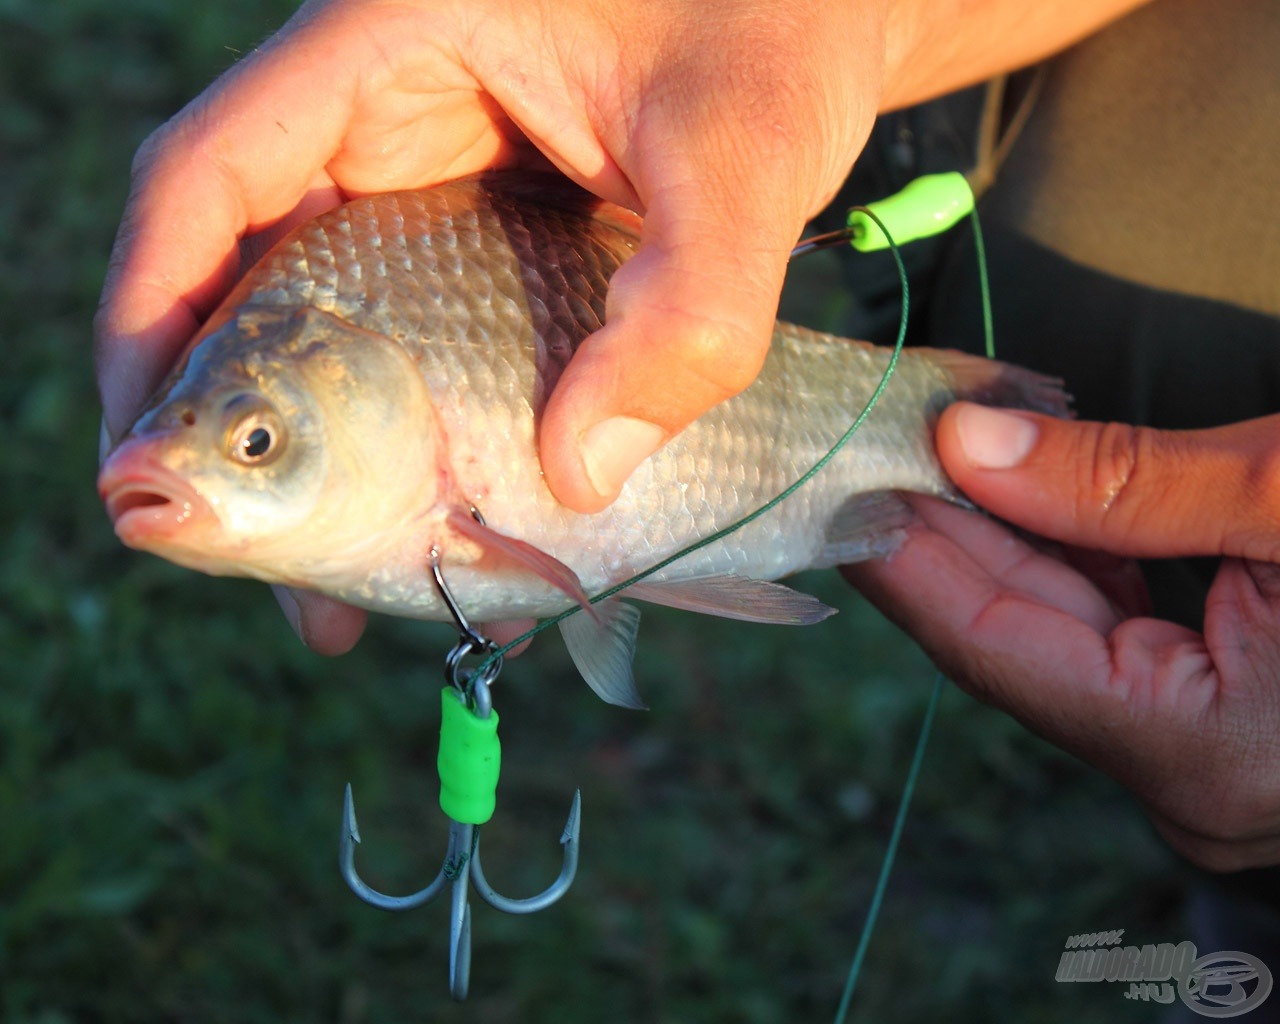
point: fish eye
(255, 435)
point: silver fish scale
(492, 292)
(753, 447)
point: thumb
(1129, 490)
(688, 323)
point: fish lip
(145, 500)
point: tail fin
(992, 382)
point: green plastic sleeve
(927, 206)
(469, 762)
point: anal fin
(736, 597)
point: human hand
(727, 125)
(1190, 722)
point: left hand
(1190, 722)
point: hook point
(349, 827)
(573, 824)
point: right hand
(1189, 721)
(727, 125)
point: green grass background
(172, 760)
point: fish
(367, 398)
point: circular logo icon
(1225, 984)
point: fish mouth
(146, 501)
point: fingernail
(613, 448)
(290, 608)
(992, 439)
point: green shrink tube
(927, 206)
(469, 762)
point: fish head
(290, 446)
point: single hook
(469, 641)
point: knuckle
(184, 137)
(1115, 490)
(718, 353)
(1112, 467)
(146, 154)
(1264, 486)
(1229, 828)
(154, 149)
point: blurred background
(172, 759)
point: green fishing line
(891, 850)
(984, 285)
(913, 774)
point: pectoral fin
(525, 555)
(603, 649)
(736, 597)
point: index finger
(241, 156)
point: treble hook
(461, 865)
(469, 760)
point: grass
(172, 761)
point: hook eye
(472, 684)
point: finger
(213, 174)
(1018, 564)
(1128, 490)
(1016, 628)
(686, 330)
(688, 319)
(1187, 729)
(1120, 579)
(244, 155)
(727, 166)
(1218, 853)
(327, 626)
